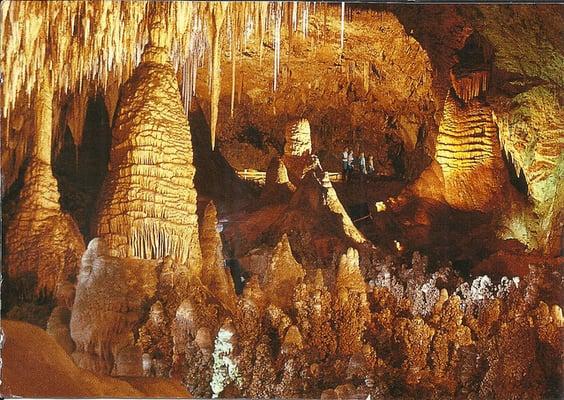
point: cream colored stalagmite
(147, 207)
(43, 244)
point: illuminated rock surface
(224, 256)
(148, 203)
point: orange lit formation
(131, 126)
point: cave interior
(282, 199)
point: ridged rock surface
(469, 154)
(148, 203)
(297, 148)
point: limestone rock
(216, 276)
(110, 295)
(147, 207)
(469, 154)
(282, 275)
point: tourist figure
(371, 164)
(362, 163)
(345, 162)
(350, 164)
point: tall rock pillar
(147, 207)
(43, 244)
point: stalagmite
(215, 275)
(282, 275)
(148, 201)
(43, 244)
(469, 154)
(297, 148)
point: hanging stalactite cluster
(97, 44)
(469, 85)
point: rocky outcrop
(277, 188)
(111, 294)
(43, 244)
(147, 207)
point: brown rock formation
(469, 153)
(110, 296)
(277, 188)
(216, 276)
(43, 244)
(282, 275)
(148, 203)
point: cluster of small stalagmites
(469, 154)
(148, 201)
(469, 85)
(484, 340)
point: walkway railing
(260, 176)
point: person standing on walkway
(350, 163)
(362, 163)
(345, 163)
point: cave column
(43, 244)
(43, 118)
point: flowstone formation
(147, 207)
(43, 244)
(469, 154)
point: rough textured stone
(147, 208)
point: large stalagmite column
(147, 207)
(469, 154)
(43, 244)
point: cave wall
(374, 94)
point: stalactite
(97, 45)
(469, 85)
(342, 26)
(77, 115)
(218, 16)
(233, 64)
